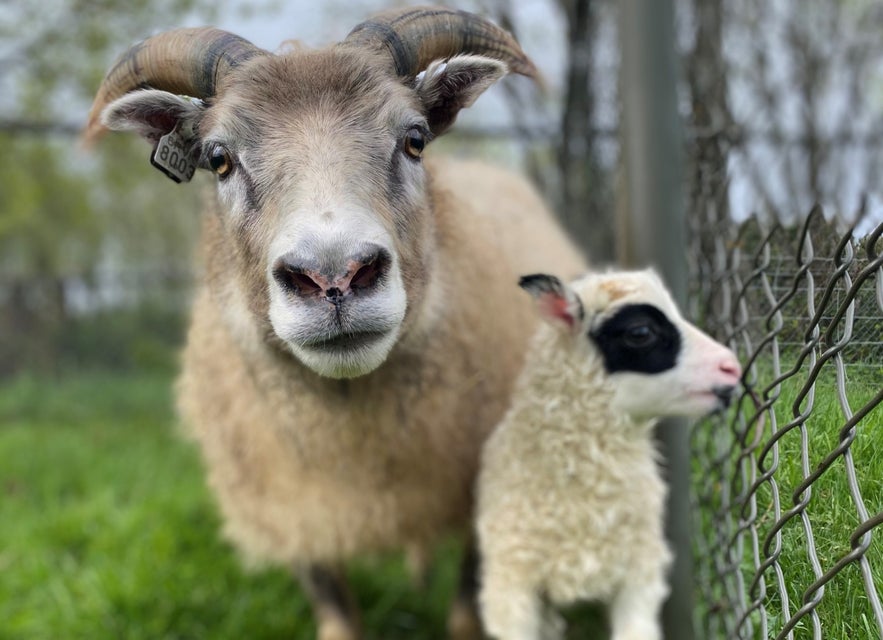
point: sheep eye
(414, 142)
(221, 161)
(639, 337)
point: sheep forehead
(321, 122)
(272, 92)
(602, 293)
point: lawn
(107, 531)
(831, 515)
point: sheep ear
(445, 87)
(152, 114)
(557, 303)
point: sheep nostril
(365, 277)
(296, 280)
(368, 275)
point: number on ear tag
(172, 156)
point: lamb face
(656, 362)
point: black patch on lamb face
(638, 338)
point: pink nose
(357, 274)
(730, 366)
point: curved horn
(416, 36)
(183, 61)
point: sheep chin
(339, 360)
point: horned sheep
(353, 342)
(570, 501)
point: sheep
(570, 501)
(351, 345)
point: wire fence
(789, 484)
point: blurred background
(781, 102)
(106, 529)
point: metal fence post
(651, 231)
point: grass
(844, 610)
(107, 531)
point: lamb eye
(221, 161)
(414, 142)
(640, 336)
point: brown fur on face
(615, 290)
(330, 116)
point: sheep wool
(570, 501)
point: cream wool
(570, 503)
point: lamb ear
(557, 303)
(152, 114)
(448, 86)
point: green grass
(107, 531)
(844, 610)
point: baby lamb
(570, 500)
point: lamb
(352, 343)
(570, 503)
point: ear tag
(171, 155)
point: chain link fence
(788, 493)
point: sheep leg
(337, 616)
(464, 622)
(635, 611)
(511, 611)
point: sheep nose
(359, 273)
(730, 367)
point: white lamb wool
(570, 501)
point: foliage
(80, 231)
(69, 249)
(57, 51)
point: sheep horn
(183, 61)
(416, 36)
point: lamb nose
(731, 367)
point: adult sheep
(355, 338)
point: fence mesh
(789, 484)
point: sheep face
(323, 207)
(655, 362)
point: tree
(586, 199)
(61, 219)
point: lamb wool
(570, 501)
